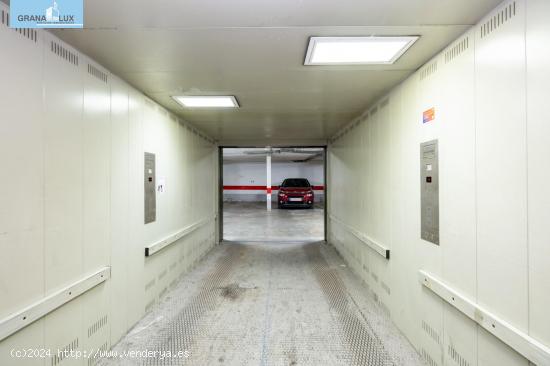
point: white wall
(491, 99)
(72, 195)
(254, 174)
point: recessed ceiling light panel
(207, 101)
(356, 50)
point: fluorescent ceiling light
(356, 50)
(207, 101)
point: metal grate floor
(267, 304)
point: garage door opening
(272, 194)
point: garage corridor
(269, 304)
(309, 182)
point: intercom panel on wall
(150, 196)
(429, 191)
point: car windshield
(295, 182)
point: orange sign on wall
(428, 115)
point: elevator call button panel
(150, 193)
(429, 191)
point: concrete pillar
(268, 182)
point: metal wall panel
(150, 192)
(63, 166)
(120, 209)
(501, 173)
(493, 135)
(458, 194)
(429, 191)
(77, 200)
(22, 173)
(538, 130)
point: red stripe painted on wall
(261, 188)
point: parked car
(295, 192)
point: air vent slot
(25, 32)
(457, 49)
(64, 53)
(503, 16)
(95, 72)
(457, 357)
(101, 353)
(428, 70)
(64, 353)
(431, 332)
(100, 323)
(429, 360)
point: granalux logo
(46, 14)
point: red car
(295, 192)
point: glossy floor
(250, 221)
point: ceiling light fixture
(357, 50)
(207, 101)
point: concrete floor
(269, 304)
(250, 221)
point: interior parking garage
(275, 183)
(273, 194)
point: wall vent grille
(457, 49)
(503, 16)
(64, 353)
(98, 74)
(431, 332)
(101, 353)
(429, 360)
(64, 53)
(457, 357)
(428, 70)
(31, 34)
(100, 323)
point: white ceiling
(287, 155)
(254, 49)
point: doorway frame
(220, 182)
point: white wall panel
(491, 122)
(501, 162)
(63, 165)
(120, 205)
(456, 113)
(254, 174)
(76, 137)
(96, 169)
(22, 174)
(538, 150)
